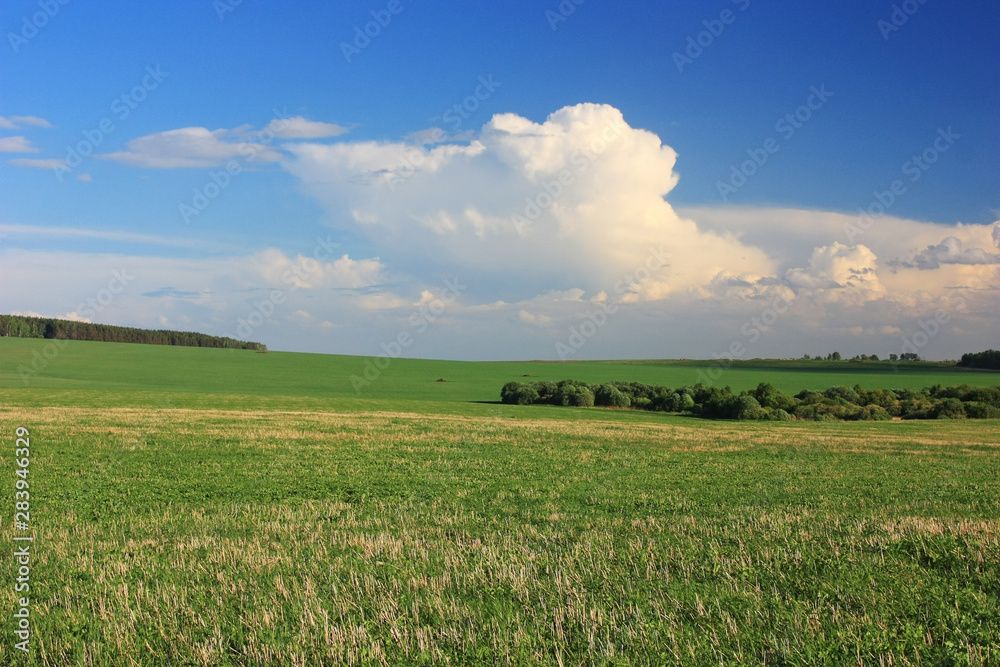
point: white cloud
(17, 122)
(302, 128)
(189, 147)
(533, 319)
(574, 202)
(31, 163)
(841, 267)
(548, 224)
(308, 273)
(16, 145)
(950, 251)
(67, 233)
(199, 147)
(435, 135)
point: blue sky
(328, 130)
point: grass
(297, 524)
(129, 368)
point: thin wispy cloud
(17, 122)
(16, 145)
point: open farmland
(256, 510)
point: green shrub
(845, 393)
(584, 398)
(950, 408)
(873, 413)
(565, 395)
(981, 411)
(546, 390)
(609, 395)
(747, 407)
(769, 397)
(518, 393)
(807, 397)
(779, 415)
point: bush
(766, 402)
(780, 415)
(769, 397)
(718, 404)
(873, 412)
(807, 397)
(747, 407)
(981, 411)
(584, 398)
(845, 393)
(609, 395)
(683, 402)
(950, 408)
(546, 390)
(518, 393)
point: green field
(209, 507)
(117, 372)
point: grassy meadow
(209, 507)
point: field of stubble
(215, 537)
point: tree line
(20, 326)
(766, 402)
(989, 359)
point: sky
(526, 180)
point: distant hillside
(17, 326)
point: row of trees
(19, 326)
(989, 359)
(766, 401)
(835, 356)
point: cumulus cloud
(950, 251)
(537, 320)
(308, 273)
(842, 273)
(549, 223)
(576, 201)
(16, 145)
